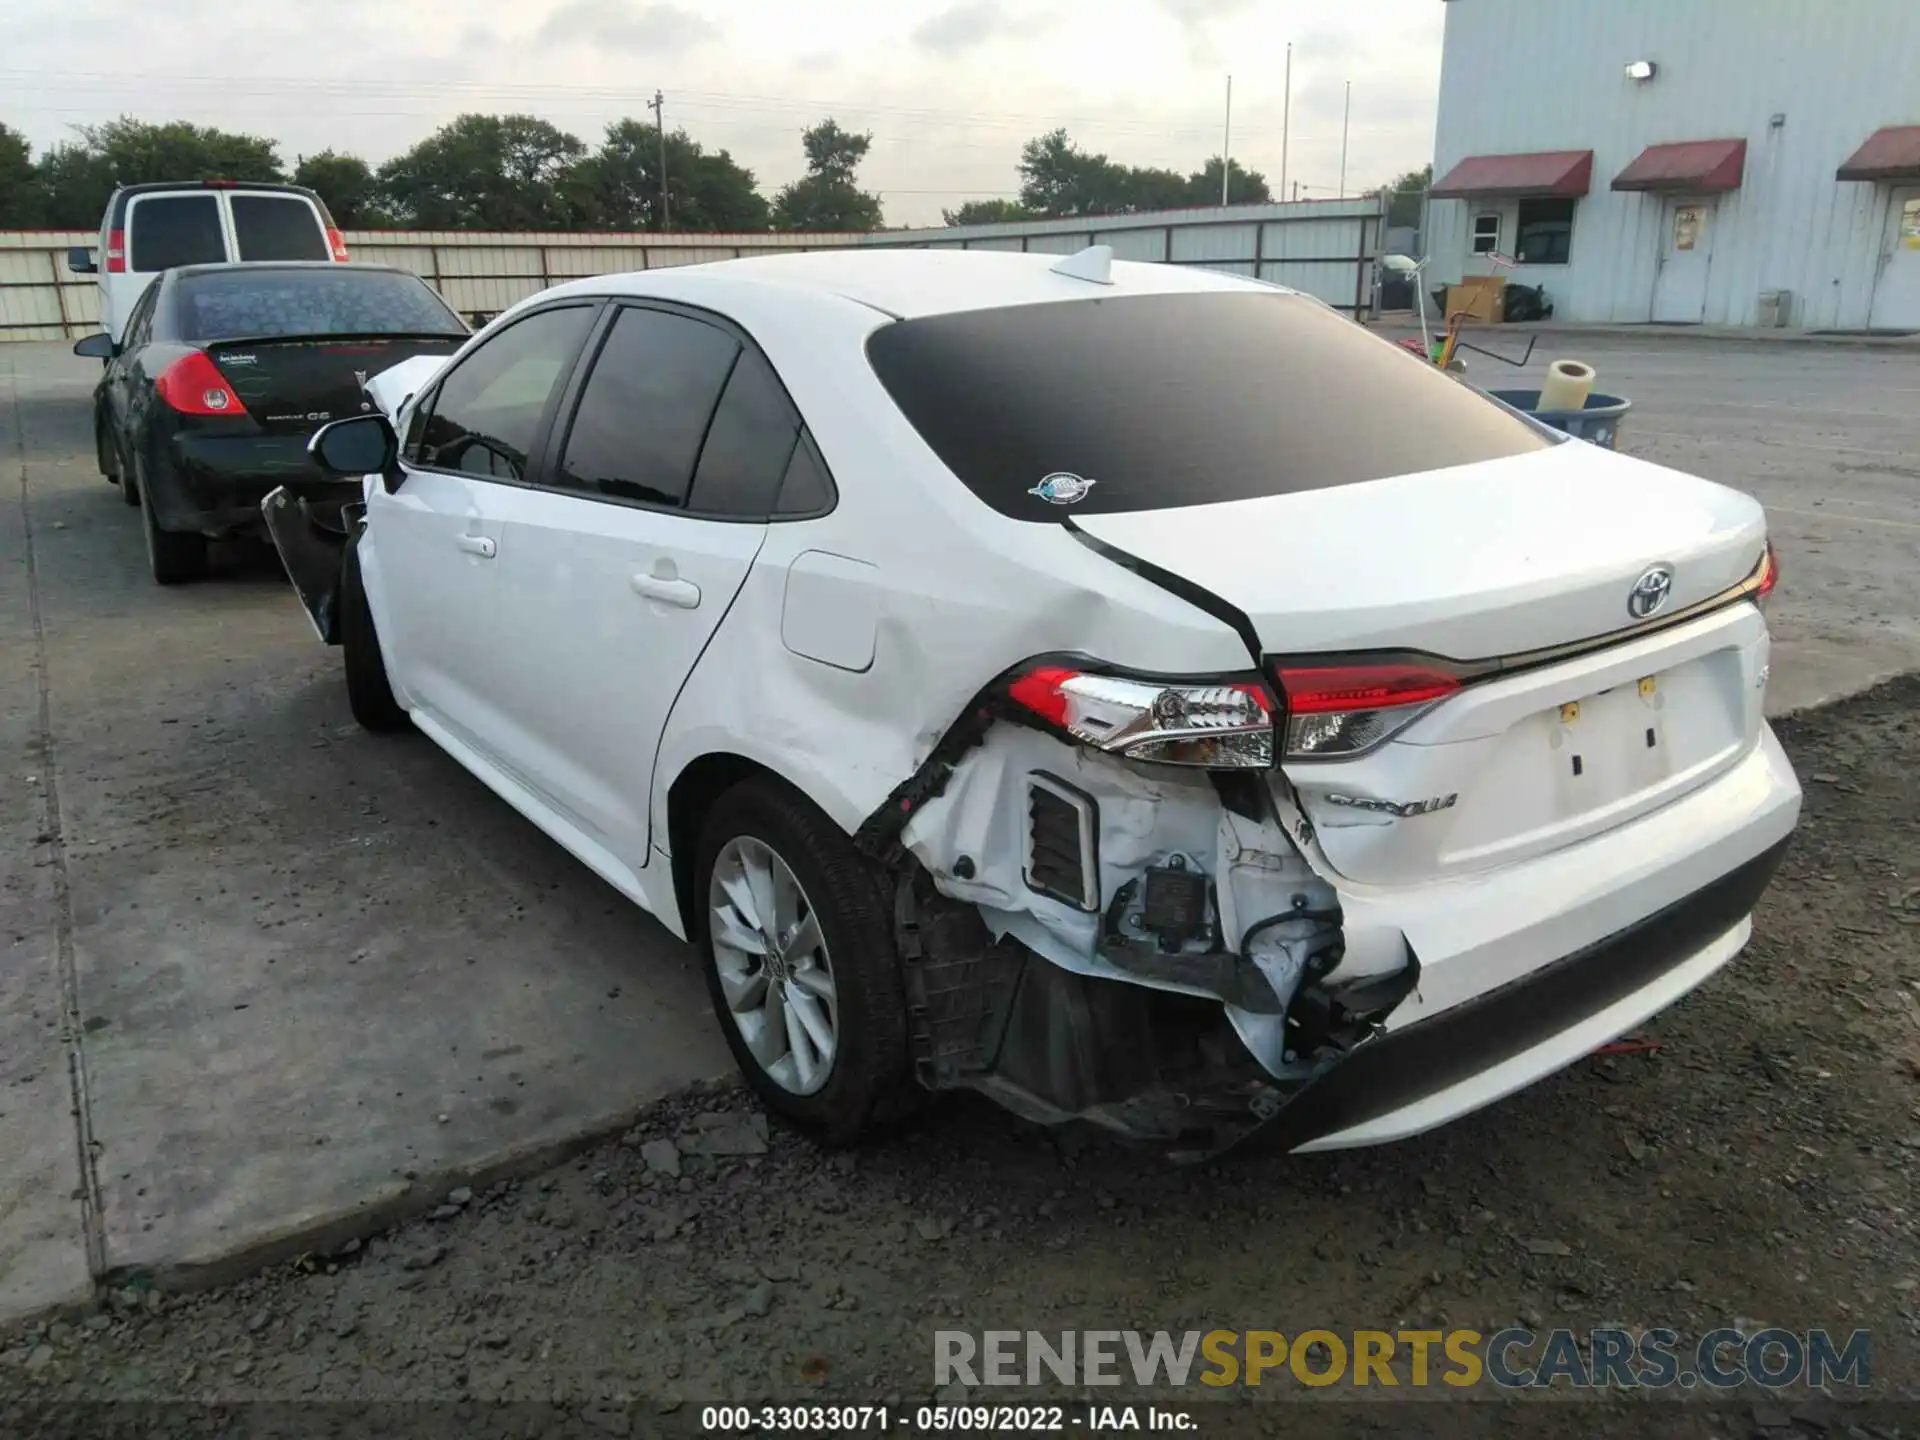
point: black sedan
(225, 372)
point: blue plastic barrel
(1598, 422)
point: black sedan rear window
(1150, 402)
(256, 303)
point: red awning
(1889, 154)
(1692, 166)
(1563, 173)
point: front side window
(170, 230)
(646, 408)
(1154, 402)
(1486, 234)
(278, 227)
(1545, 232)
(486, 414)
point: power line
(272, 88)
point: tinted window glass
(747, 445)
(338, 300)
(278, 227)
(170, 230)
(140, 323)
(1171, 400)
(487, 411)
(1544, 235)
(806, 490)
(646, 407)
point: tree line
(477, 172)
(519, 172)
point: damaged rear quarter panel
(962, 594)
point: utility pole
(1226, 144)
(1346, 114)
(659, 108)
(1286, 118)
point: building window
(1545, 232)
(1486, 234)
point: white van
(150, 228)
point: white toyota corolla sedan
(1133, 692)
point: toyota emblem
(1650, 592)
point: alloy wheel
(773, 965)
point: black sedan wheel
(174, 557)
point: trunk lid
(294, 385)
(1487, 562)
(1478, 561)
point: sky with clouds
(950, 89)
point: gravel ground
(1758, 1166)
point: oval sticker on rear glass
(1062, 488)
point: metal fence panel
(1324, 247)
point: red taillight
(1316, 691)
(116, 252)
(337, 243)
(193, 385)
(1039, 691)
(1340, 711)
(1769, 575)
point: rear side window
(170, 230)
(1164, 401)
(748, 444)
(338, 300)
(487, 413)
(646, 407)
(278, 227)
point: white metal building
(1732, 162)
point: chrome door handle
(480, 545)
(683, 593)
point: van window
(170, 230)
(278, 227)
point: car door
(625, 559)
(119, 383)
(449, 637)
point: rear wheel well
(689, 801)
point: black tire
(129, 486)
(870, 1084)
(174, 557)
(369, 695)
(106, 452)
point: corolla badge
(1650, 592)
(1063, 488)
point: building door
(1686, 250)
(1896, 293)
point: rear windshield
(335, 300)
(1171, 400)
(278, 227)
(170, 230)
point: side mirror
(359, 445)
(80, 260)
(96, 347)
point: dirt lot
(1760, 1166)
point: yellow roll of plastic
(1567, 385)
